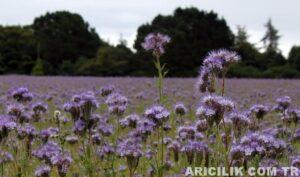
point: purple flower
(220, 59)
(15, 110)
(62, 162)
(157, 114)
(106, 150)
(259, 111)
(237, 152)
(74, 109)
(216, 62)
(187, 132)
(156, 43)
(283, 103)
(72, 139)
(201, 125)
(130, 121)
(6, 125)
(131, 149)
(21, 94)
(180, 109)
(26, 130)
(47, 151)
(43, 171)
(193, 148)
(79, 127)
(49, 133)
(175, 147)
(39, 107)
(117, 103)
(5, 157)
(107, 90)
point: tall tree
(249, 53)
(64, 37)
(272, 56)
(17, 49)
(271, 37)
(294, 57)
(193, 33)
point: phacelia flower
(180, 109)
(117, 103)
(259, 111)
(130, 121)
(157, 114)
(156, 42)
(43, 171)
(21, 94)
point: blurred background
(103, 37)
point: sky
(115, 18)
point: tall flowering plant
(156, 42)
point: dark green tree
(64, 37)
(38, 69)
(109, 61)
(17, 49)
(294, 57)
(249, 53)
(271, 37)
(272, 56)
(193, 33)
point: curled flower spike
(215, 63)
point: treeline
(62, 43)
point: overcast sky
(111, 18)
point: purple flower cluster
(156, 42)
(117, 104)
(259, 111)
(213, 108)
(262, 144)
(5, 157)
(43, 171)
(21, 94)
(158, 114)
(130, 121)
(180, 109)
(216, 62)
(107, 90)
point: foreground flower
(131, 149)
(157, 114)
(215, 63)
(156, 42)
(43, 171)
(117, 104)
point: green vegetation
(63, 43)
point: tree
(272, 56)
(38, 69)
(271, 37)
(17, 49)
(109, 61)
(249, 53)
(294, 57)
(193, 33)
(64, 37)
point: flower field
(89, 126)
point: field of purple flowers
(115, 127)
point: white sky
(111, 18)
